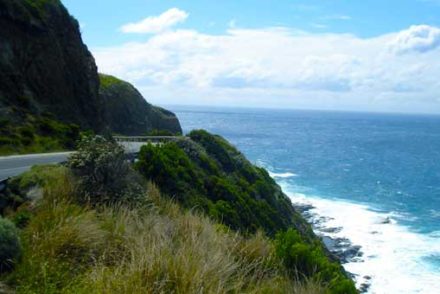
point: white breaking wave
(395, 260)
(282, 175)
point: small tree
(10, 249)
(104, 176)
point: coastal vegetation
(190, 216)
(72, 242)
(205, 172)
(36, 134)
(10, 248)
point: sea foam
(282, 175)
(393, 258)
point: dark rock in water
(364, 287)
(331, 230)
(352, 276)
(330, 243)
(343, 249)
(308, 215)
(302, 208)
(385, 221)
(319, 222)
(353, 252)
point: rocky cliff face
(47, 71)
(127, 112)
(44, 65)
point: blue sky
(346, 55)
(102, 18)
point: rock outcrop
(47, 71)
(44, 65)
(127, 112)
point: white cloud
(420, 38)
(157, 24)
(280, 67)
(337, 17)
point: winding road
(11, 166)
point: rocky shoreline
(342, 248)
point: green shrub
(160, 133)
(22, 218)
(104, 176)
(10, 249)
(307, 260)
(209, 174)
(36, 134)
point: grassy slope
(206, 173)
(158, 249)
(35, 134)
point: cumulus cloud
(157, 24)
(279, 67)
(420, 38)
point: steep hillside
(82, 231)
(204, 171)
(50, 87)
(44, 65)
(68, 248)
(127, 112)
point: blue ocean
(374, 179)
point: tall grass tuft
(156, 248)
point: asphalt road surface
(14, 165)
(11, 166)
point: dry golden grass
(155, 249)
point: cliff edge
(50, 87)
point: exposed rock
(47, 71)
(127, 112)
(343, 249)
(331, 230)
(302, 207)
(364, 287)
(44, 65)
(385, 221)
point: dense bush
(209, 174)
(74, 248)
(10, 248)
(103, 173)
(309, 260)
(161, 133)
